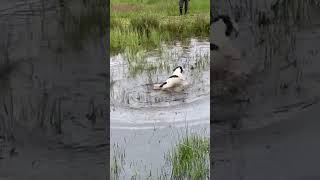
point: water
(52, 95)
(134, 104)
(146, 122)
(277, 127)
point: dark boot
(180, 11)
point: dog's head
(178, 67)
(230, 26)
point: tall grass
(146, 24)
(190, 158)
(138, 63)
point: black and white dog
(175, 80)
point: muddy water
(53, 98)
(276, 138)
(147, 122)
(278, 85)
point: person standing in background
(186, 6)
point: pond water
(146, 122)
(134, 104)
(52, 96)
(277, 84)
(278, 124)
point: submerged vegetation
(144, 25)
(117, 161)
(80, 24)
(274, 27)
(73, 23)
(189, 159)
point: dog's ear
(227, 21)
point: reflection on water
(283, 92)
(278, 55)
(52, 90)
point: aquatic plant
(117, 162)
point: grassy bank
(144, 24)
(188, 159)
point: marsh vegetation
(140, 112)
(188, 159)
(146, 25)
(147, 40)
(50, 63)
(281, 46)
(63, 30)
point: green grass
(164, 62)
(190, 158)
(146, 24)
